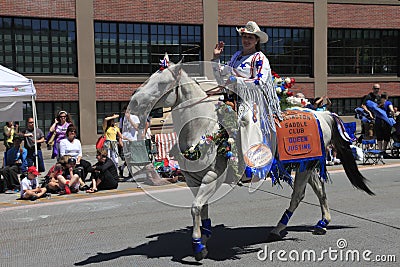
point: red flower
(289, 93)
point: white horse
(193, 117)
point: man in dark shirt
(15, 164)
(368, 127)
(373, 96)
(29, 144)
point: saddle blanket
(298, 136)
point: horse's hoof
(319, 231)
(201, 255)
(274, 237)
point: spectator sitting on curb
(104, 173)
(72, 146)
(29, 186)
(69, 181)
(16, 163)
(50, 180)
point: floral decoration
(282, 86)
(224, 138)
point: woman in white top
(72, 146)
(251, 79)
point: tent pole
(34, 130)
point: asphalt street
(150, 226)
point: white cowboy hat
(252, 28)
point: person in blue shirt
(383, 129)
(319, 103)
(16, 163)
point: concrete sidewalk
(127, 186)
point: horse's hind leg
(319, 190)
(299, 189)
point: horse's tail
(346, 156)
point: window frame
(38, 45)
(281, 42)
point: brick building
(88, 56)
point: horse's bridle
(210, 92)
(175, 87)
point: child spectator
(112, 131)
(29, 186)
(9, 131)
(50, 180)
(69, 180)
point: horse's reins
(210, 92)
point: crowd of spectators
(23, 161)
(23, 164)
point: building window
(47, 112)
(137, 48)
(38, 46)
(363, 52)
(289, 50)
(346, 106)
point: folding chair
(372, 155)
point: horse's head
(156, 92)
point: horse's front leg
(207, 188)
(299, 189)
(205, 224)
(319, 190)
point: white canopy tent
(14, 90)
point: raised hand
(219, 48)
